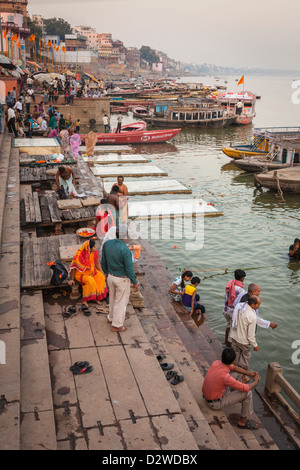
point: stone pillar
(271, 384)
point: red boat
(135, 137)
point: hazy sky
(256, 33)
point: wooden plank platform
(128, 170)
(38, 209)
(37, 252)
(115, 158)
(171, 208)
(147, 187)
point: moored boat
(142, 112)
(190, 113)
(135, 137)
(241, 104)
(283, 154)
(287, 180)
(263, 142)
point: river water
(256, 230)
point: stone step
(125, 403)
(38, 426)
(9, 298)
(202, 346)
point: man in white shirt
(18, 106)
(253, 289)
(243, 329)
(11, 121)
(106, 124)
(44, 126)
(119, 120)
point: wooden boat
(190, 113)
(135, 137)
(264, 141)
(287, 180)
(283, 154)
(240, 104)
(119, 109)
(142, 112)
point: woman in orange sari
(86, 269)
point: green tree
(149, 55)
(57, 27)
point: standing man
(117, 265)
(106, 124)
(253, 289)
(11, 121)
(119, 125)
(243, 331)
(220, 389)
(232, 290)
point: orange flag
(19, 44)
(5, 34)
(242, 80)
(14, 38)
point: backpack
(59, 273)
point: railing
(275, 383)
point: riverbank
(126, 403)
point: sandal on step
(249, 425)
(171, 374)
(177, 379)
(166, 366)
(85, 310)
(160, 357)
(79, 365)
(84, 370)
(69, 312)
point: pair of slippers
(171, 374)
(86, 311)
(81, 367)
(70, 312)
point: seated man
(294, 250)
(220, 389)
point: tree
(149, 55)
(57, 27)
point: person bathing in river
(232, 290)
(176, 291)
(294, 250)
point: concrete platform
(108, 148)
(147, 187)
(36, 146)
(171, 208)
(115, 158)
(128, 170)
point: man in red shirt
(220, 389)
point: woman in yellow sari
(85, 268)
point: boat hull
(135, 137)
(238, 153)
(244, 119)
(210, 123)
(253, 165)
(288, 179)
